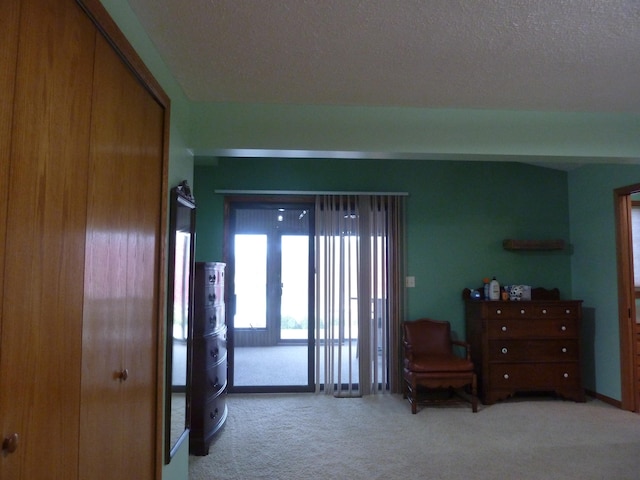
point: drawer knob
(499, 312)
(522, 312)
(215, 384)
(564, 349)
(567, 311)
(504, 350)
(504, 329)
(563, 328)
(10, 443)
(506, 376)
(544, 311)
(566, 375)
(212, 278)
(122, 375)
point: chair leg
(474, 394)
(413, 396)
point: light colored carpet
(288, 365)
(308, 436)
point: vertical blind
(359, 293)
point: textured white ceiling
(552, 55)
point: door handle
(10, 443)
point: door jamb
(626, 294)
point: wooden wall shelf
(511, 244)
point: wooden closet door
(9, 424)
(119, 369)
(44, 251)
(8, 56)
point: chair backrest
(428, 336)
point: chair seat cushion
(438, 363)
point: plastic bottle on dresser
(494, 289)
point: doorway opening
(627, 205)
(270, 251)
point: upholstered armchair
(430, 362)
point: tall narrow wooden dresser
(209, 369)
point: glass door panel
(250, 281)
(270, 257)
(294, 304)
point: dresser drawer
(209, 350)
(529, 376)
(215, 412)
(207, 416)
(501, 310)
(568, 311)
(532, 328)
(210, 295)
(218, 294)
(212, 319)
(216, 378)
(216, 348)
(533, 350)
(213, 275)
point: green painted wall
(594, 269)
(458, 213)
(430, 133)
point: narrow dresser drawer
(215, 412)
(532, 328)
(210, 349)
(216, 378)
(529, 376)
(533, 350)
(501, 310)
(213, 295)
(206, 418)
(214, 275)
(216, 347)
(556, 311)
(213, 319)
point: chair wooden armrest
(408, 350)
(465, 345)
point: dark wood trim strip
(604, 398)
(626, 294)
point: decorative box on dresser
(525, 346)
(209, 369)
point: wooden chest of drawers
(525, 346)
(209, 367)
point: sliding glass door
(270, 274)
